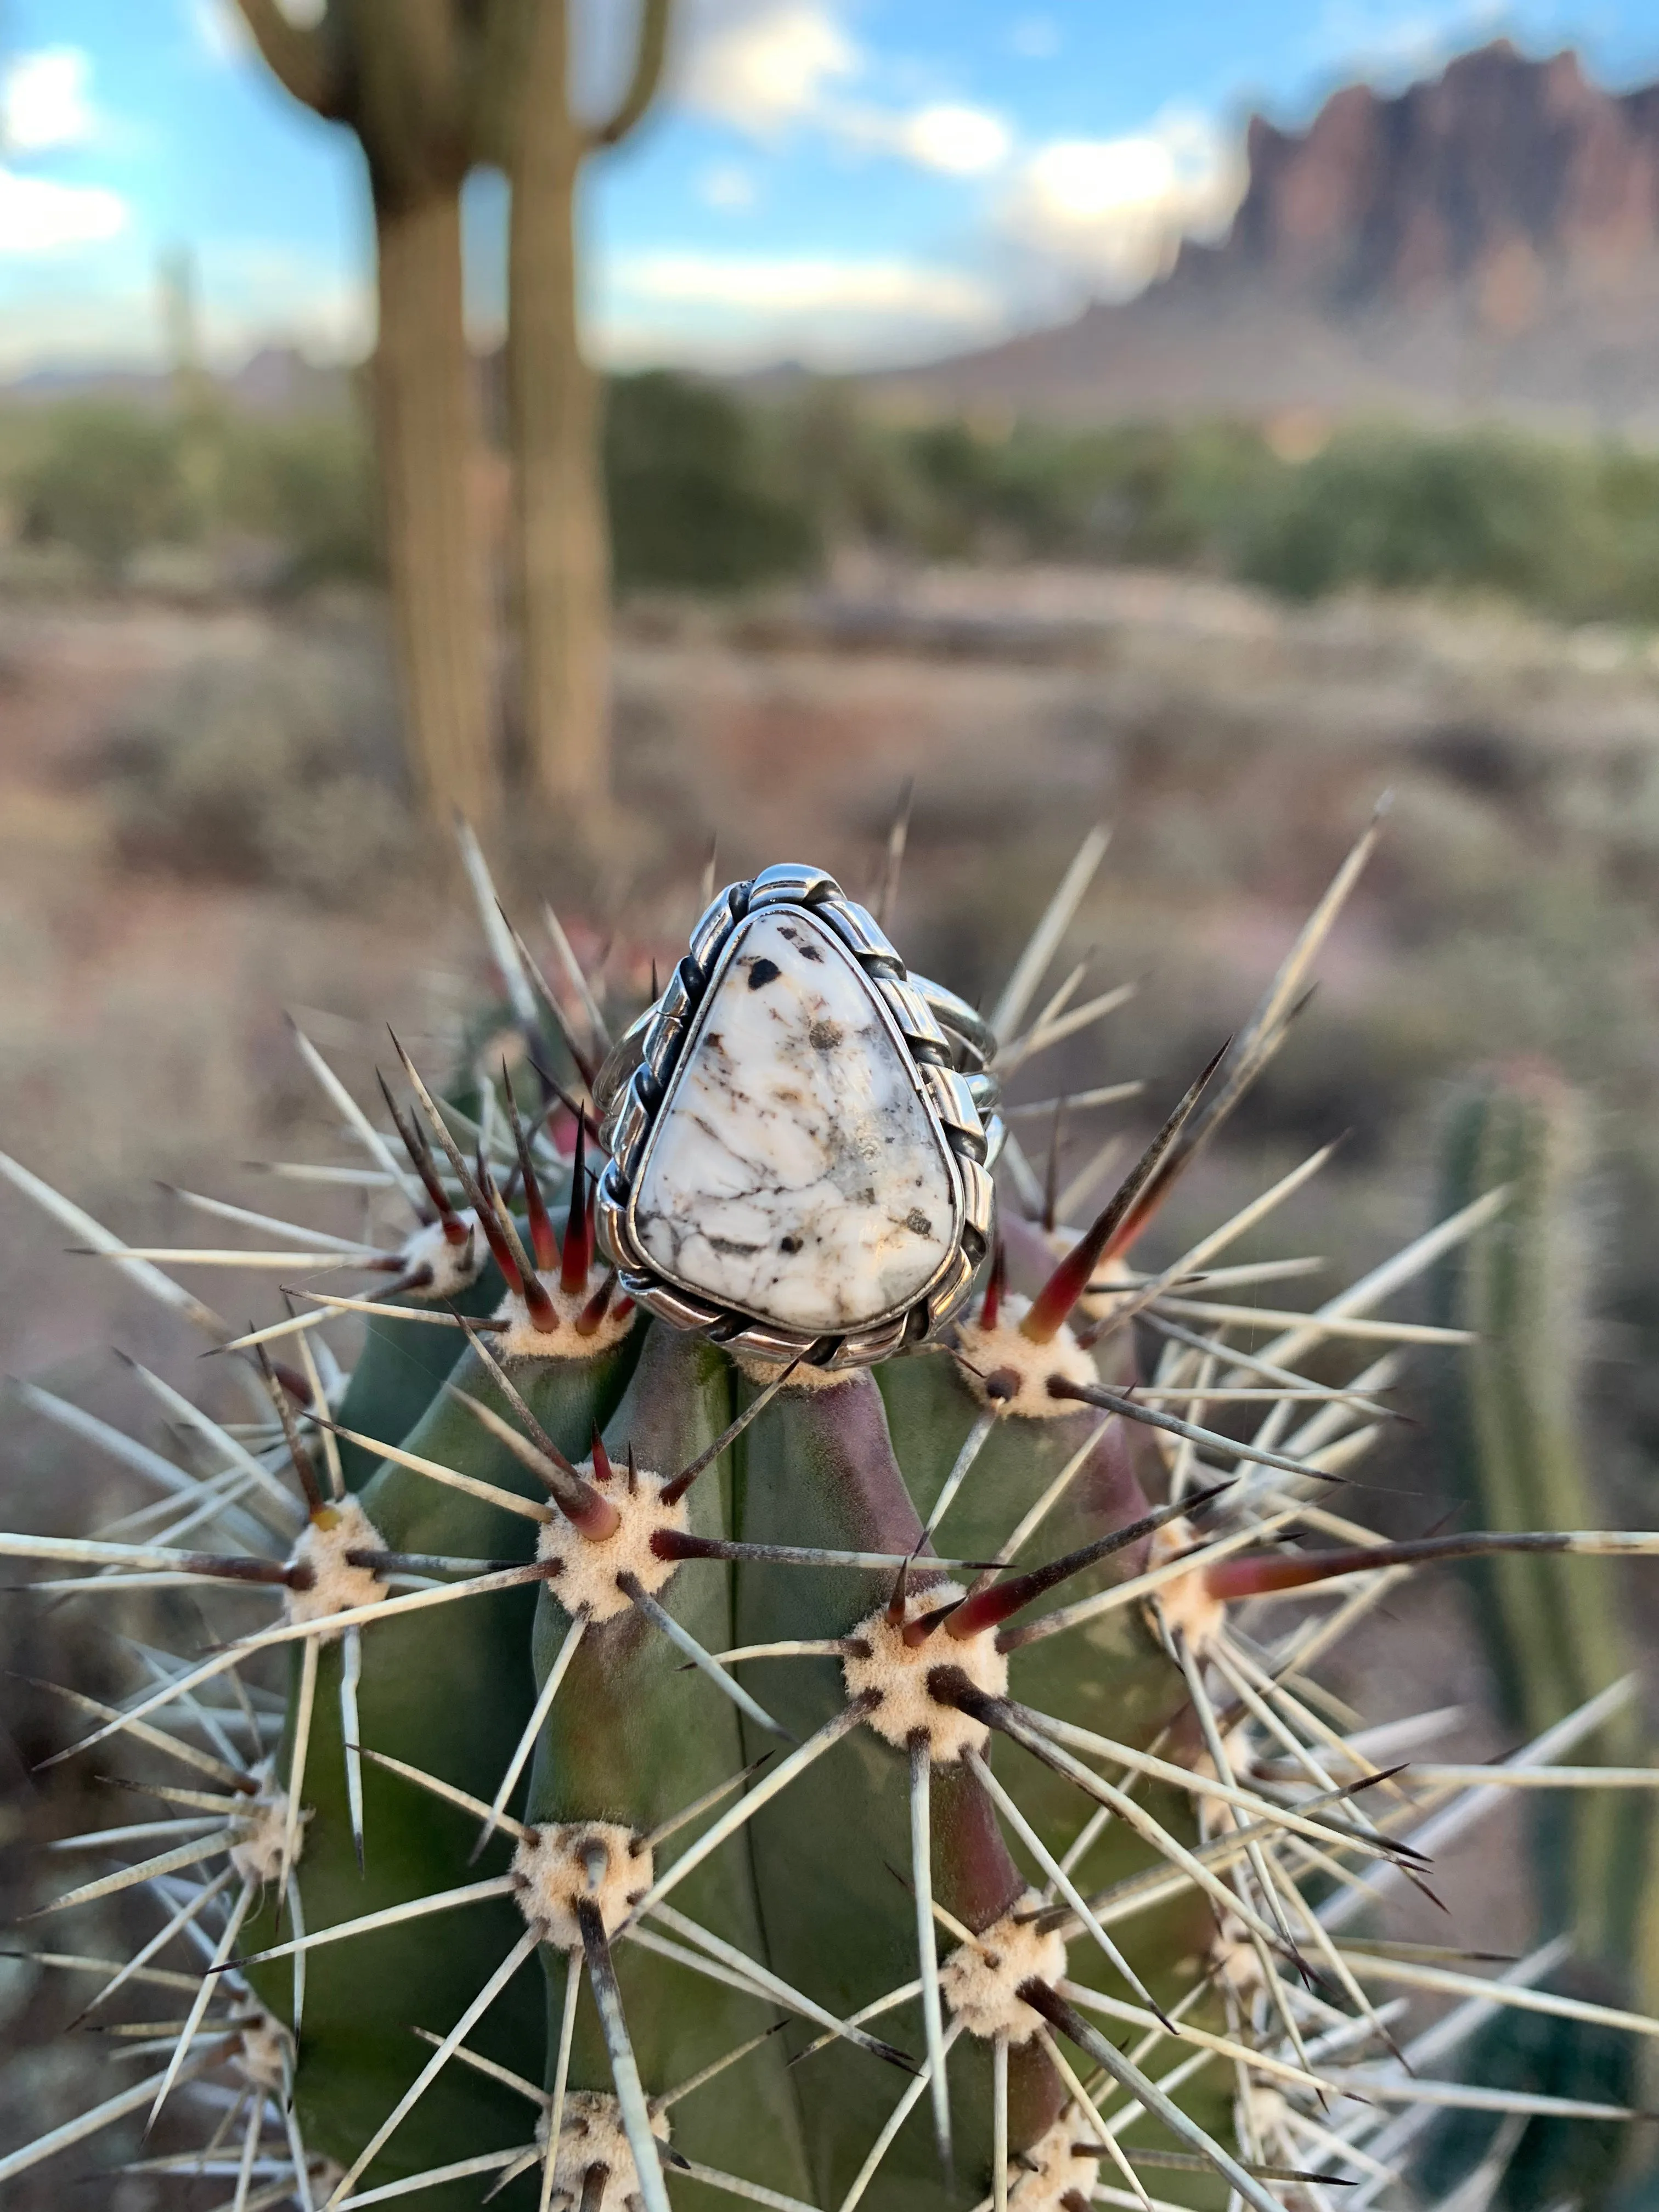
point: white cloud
(727, 187)
(763, 64)
(43, 101)
(793, 284)
(737, 310)
(40, 216)
(1112, 211)
(963, 142)
(255, 292)
(956, 141)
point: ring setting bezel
(946, 1051)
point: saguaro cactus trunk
(425, 436)
(432, 88)
(396, 75)
(561, 557)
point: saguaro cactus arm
(650, 52)
(303, 57)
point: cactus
(706, 1777)
(434, 90)
(1509, 1429)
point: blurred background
(649, 427)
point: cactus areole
(802, 1700)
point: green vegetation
(107, 479)
(690, 503)
(711, 492)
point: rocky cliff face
(1487, 240)
(1490, 179)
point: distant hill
(275, 380)
(1487, 241)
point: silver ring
(801, 1135)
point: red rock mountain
(1485, 241)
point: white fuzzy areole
(898, 1672)
(258, 1835)
(807, 1379)
(978, 1980)
(587, 1581)
(340, 1527)
(1058, 2170)
(1185, 1606)
(1020, 1369)
(454, 1266)
(260, 2057)
(1234, 1959)
(555, 1874)
(592, 2134)
(795, 1171)
(521, 1340)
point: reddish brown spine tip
(588, 1514)
(538, 1304)
(500, 1250)
(589, 1320)
(420, 1159)
(633, 1473)
(988, 1608)
(896, 1603)
(602, 1469)
(1052, 1305)
(1122, 1216)
(996, 1282)
(544, 1244)
(915, 1633)
(294, 1382)
(677, 1544)
(306, 1473)
(624, 1306)
(1285, 1571)
(578, 1240)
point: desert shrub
(1400, 509)
(106, 480)
(263, 772)
(691, 504)
(309, 486)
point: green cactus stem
(630, 1774)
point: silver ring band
(942, 1047)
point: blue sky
(846, 181)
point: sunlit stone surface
(794, 1171)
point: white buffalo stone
(794, 1171)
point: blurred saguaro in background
(433, 89)
(561, 543)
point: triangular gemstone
(794, 1171)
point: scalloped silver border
(957, 1093)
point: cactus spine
(701, 1778)
(1510, 1427)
